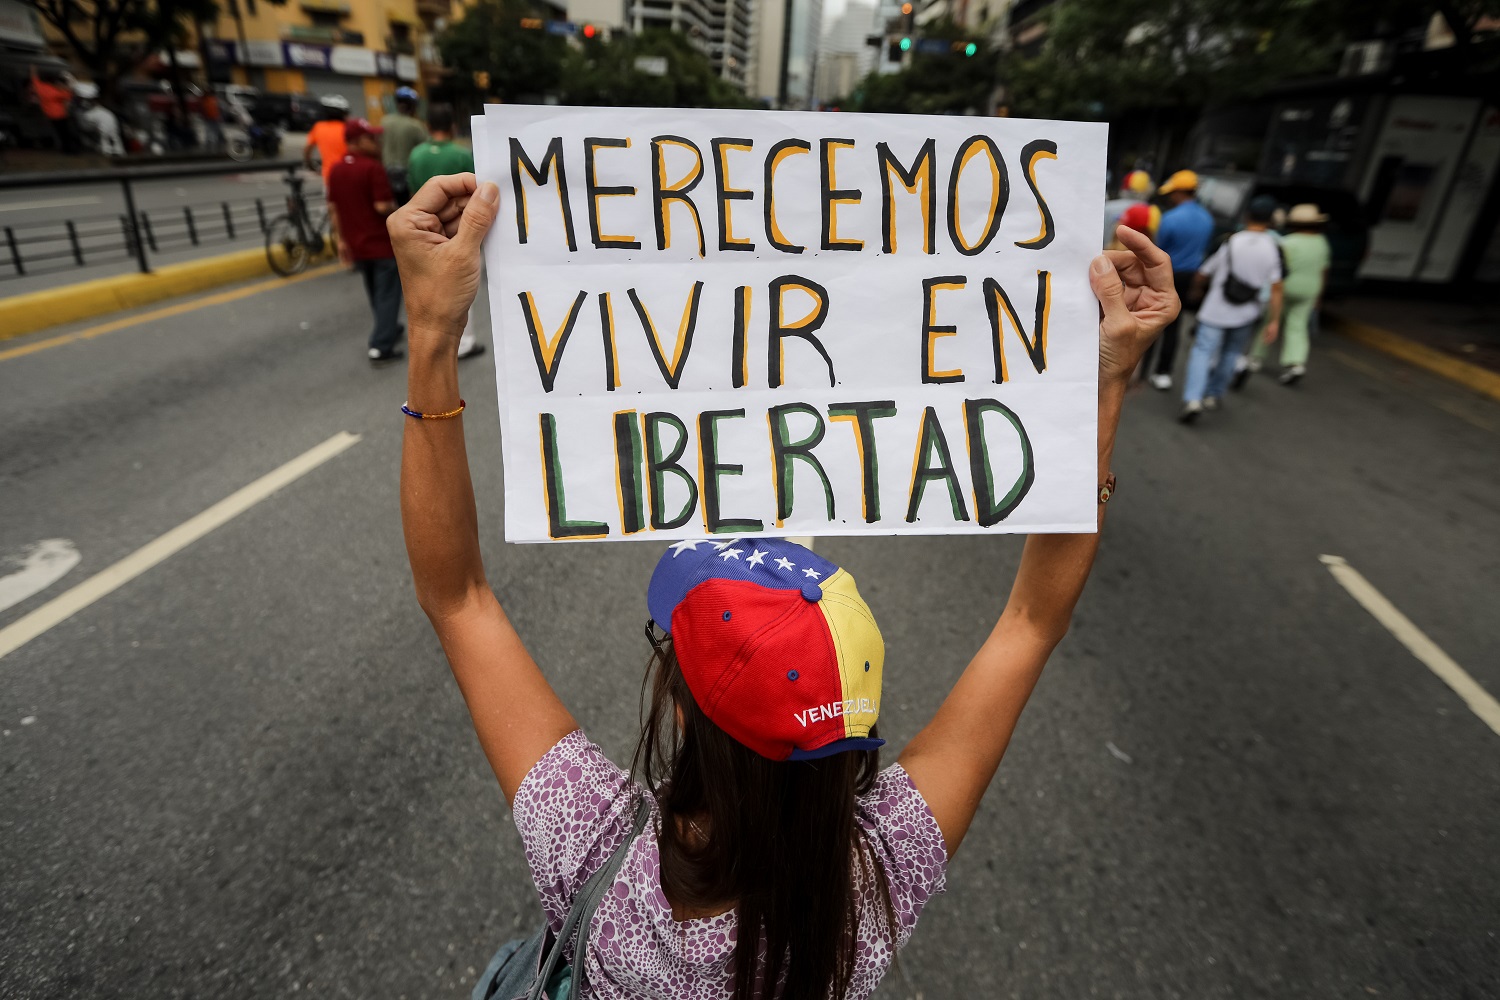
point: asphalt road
(246, 773)
(38, 217)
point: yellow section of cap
(1183, 180)
(857, 642)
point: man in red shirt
(359, 199)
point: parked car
(1226, 194)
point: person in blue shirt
(1185, 231)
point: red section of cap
(761, 665)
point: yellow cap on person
(1183, 180)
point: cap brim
(838, 746)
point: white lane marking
(53, 203)
(1478, 699)
(60, 608)
(42, 565)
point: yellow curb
(32, 311)
(1466, 374)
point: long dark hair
(777, 839)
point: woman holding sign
(763, 802)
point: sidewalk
(1458, 340)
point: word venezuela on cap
(741, 322)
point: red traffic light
(589, 31)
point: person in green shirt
(440, 154)
(404, 131)
(435, 157)
(1306, 254)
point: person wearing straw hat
(1307, 254)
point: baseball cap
(1261, 208)
(407, 94)
(1138, 217)
(356, 127)
(775, 643)
(1183, 180)
(1137, 182)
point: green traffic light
(905, 44)
(970, 49)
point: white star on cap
(756, 558)
(728, 554)
(811, 572)
(686, 545)
(785, 563)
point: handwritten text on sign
(732, 322)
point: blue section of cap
(838, 746)
(774, 563)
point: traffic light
(589, 31)
(905, 44)
(970, 49)
(906, 9)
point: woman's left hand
(1136, 300)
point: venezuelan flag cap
(775, 643)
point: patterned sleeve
(908, 845)
(573, 808)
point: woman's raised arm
(516, 714)
(953, 759)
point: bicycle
(294, 239)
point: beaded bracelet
(433, 416)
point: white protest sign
(741, 322)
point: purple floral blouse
(575, 807)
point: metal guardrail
(57, 245)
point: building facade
(720, 29)
(361, 50)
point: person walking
(359, 199)
(1307, 255)
(327, 136)
(55, 98)
(1184, 233)
(439, 156)
(403, 133)
(1247, 262)
(213, 120)
(1135, 191)
(773, 847)
(99, 120)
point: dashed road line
(1480, 701)
(106, 581)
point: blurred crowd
(143, 119)
(1254, 286)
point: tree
(608, 74)
(1101, 57)
(112, 37)
(495, 56)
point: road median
(33, 311)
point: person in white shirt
(1247, 262)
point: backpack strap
(581, 913)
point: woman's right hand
(436, 236)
